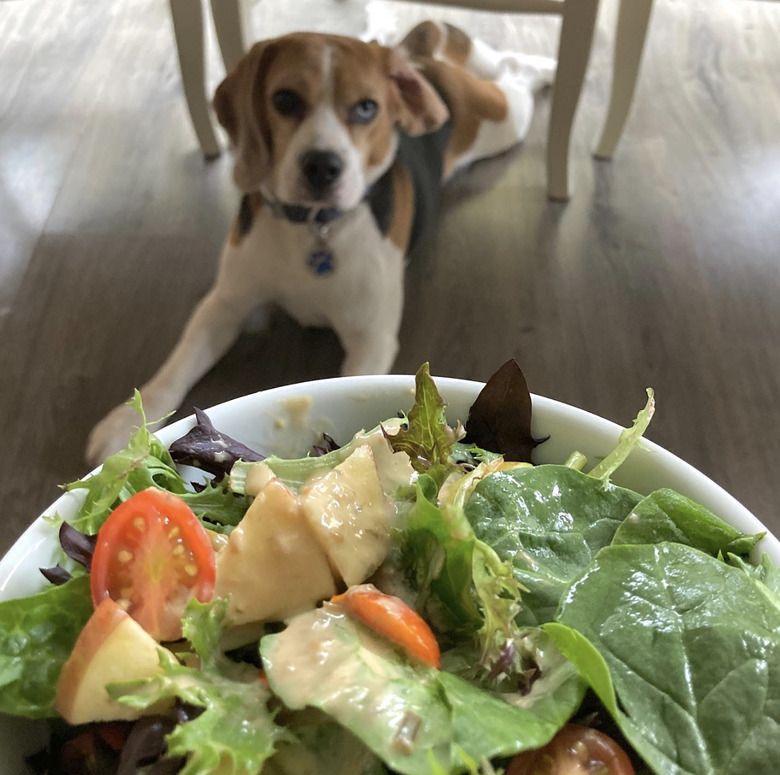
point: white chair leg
(232, 22)
(633, 19)
(579, 20)
(187, 16)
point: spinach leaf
(549, 521)
(692, 646)
(665, 515)
(37, 635)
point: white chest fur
(366, 278)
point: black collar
(300, 214)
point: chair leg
(187, 16)
(233, 26)
(579, 21)
(633, 20)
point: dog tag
(321, 262)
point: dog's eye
(288, 103)
(363, 112)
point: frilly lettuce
(236, 730)
(144, 463)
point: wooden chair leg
(232, 22)
(579, 20)
(633, 20)
(187, 16)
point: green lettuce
(412, 716)
(37, 635)
(427, 438)
(236, 730)
(628, 441)
(461, 583)
(144, 463)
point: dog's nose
(321, 168)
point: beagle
(341, 147)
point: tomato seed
(124, 556)
(191, 570)
(139, 523)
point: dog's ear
(238, 105)
(421, 108)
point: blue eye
(288, 103)
(363, 112)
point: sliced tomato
(393, 619)
(575, 750)
(152, 556)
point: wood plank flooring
(663, 269)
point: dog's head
(312, 117)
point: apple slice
(273, 566)
(350, 515)
(111, 647)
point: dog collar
(321, 260)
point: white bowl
(288, 419)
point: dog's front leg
(210, 331)
(368, 331)
(368, 352)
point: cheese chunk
(350, 515)
(273, 566)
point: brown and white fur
(315, 121)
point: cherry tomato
(152, 556)
(392, 618)
(575, 750)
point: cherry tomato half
(575, 750)
(152, 556)
(392, 618)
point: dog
(340, 149)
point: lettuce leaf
(37, 635)
(412, 716)
(461, 582)
(145, 463)
(692, 650)
(628, 441)
(427, 438)
(236, 731)
(500, 418)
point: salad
(422, 600)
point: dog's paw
(111, 434)
(535, 70)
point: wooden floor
(663, 269)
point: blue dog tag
(321, 262)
